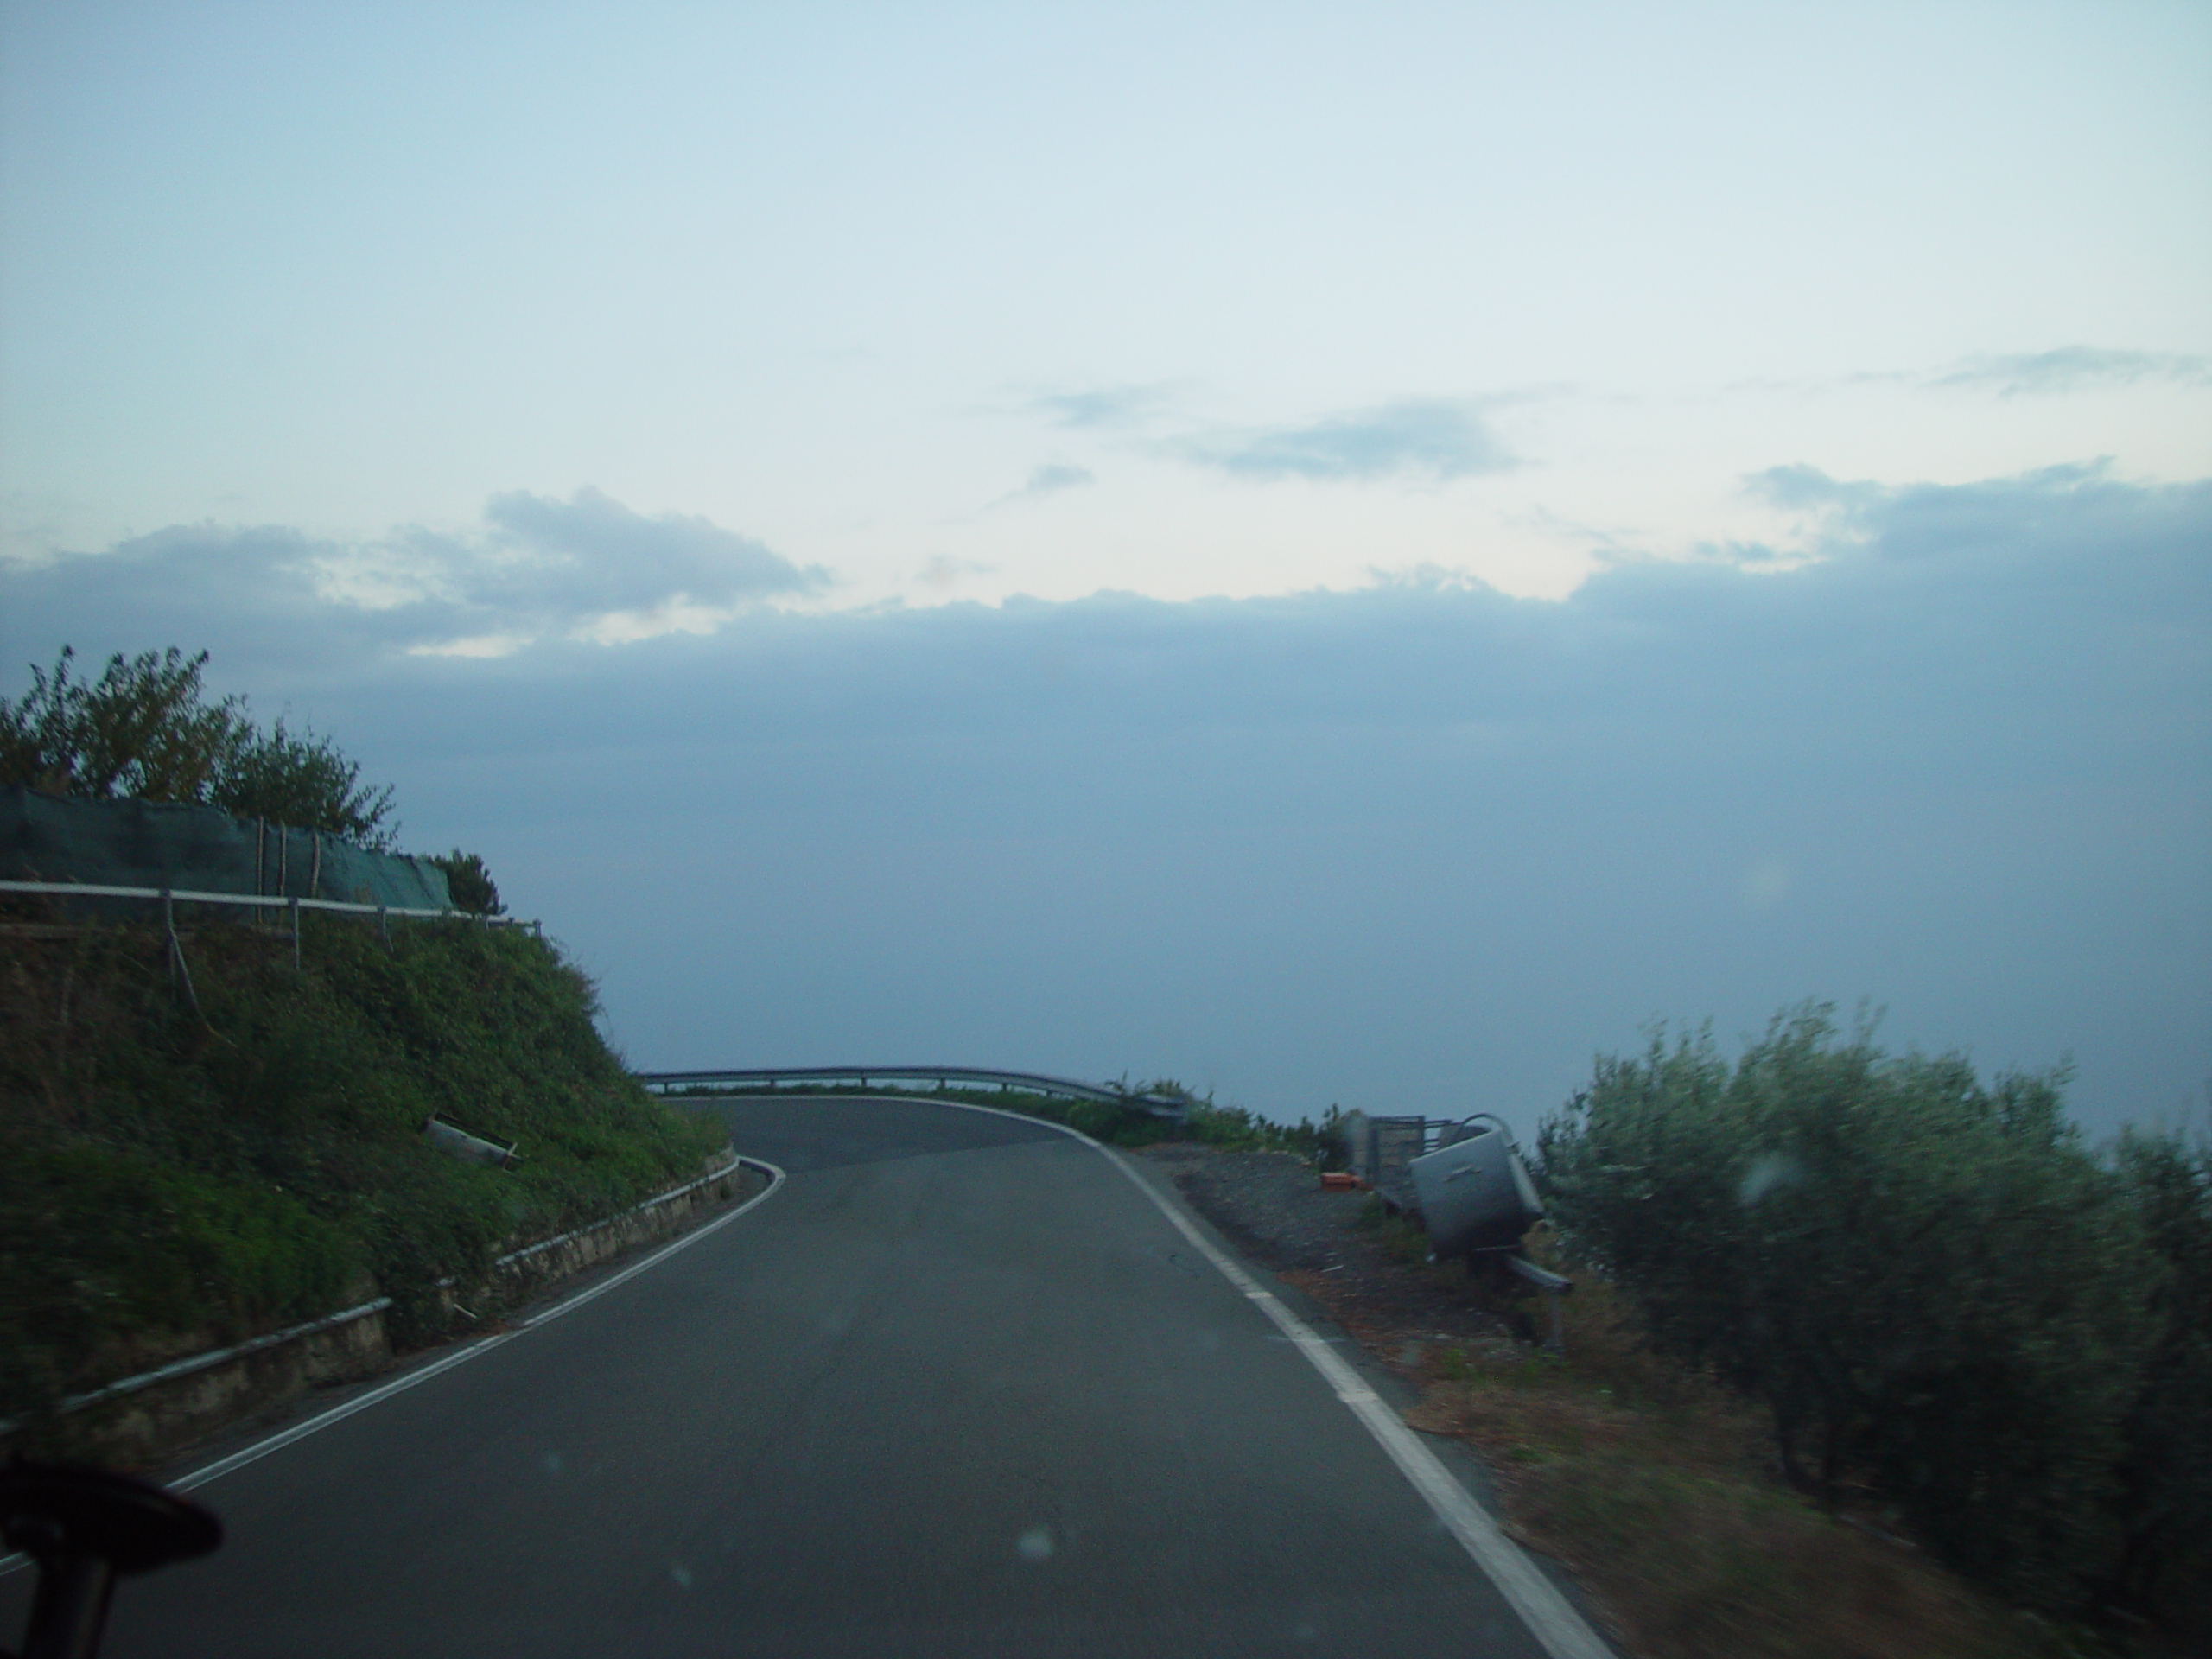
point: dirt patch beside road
(1372, 1278)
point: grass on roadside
(1399, 1235)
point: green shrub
(1240, 1128)
(470, 884)
(1929, 1283)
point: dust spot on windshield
(1769, 1172)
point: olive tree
(1931, 1284)
(2165, 1498)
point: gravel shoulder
(1272, 1205)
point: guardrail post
(1553, 1286)
(296, 968)
(180, 969)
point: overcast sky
(1335, 553)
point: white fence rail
(170, 898)
(255, 900)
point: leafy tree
(470, 884)
(145, 730)
(304, 781)
(1929, 1281)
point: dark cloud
(1420, 848)
(2072, 368)
(589, 556)
(538, 567)
(1418, 438)
(253, 595)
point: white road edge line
(482, 1346)
(1562, 1632)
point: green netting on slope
(199, 848)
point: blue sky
(1336, 553)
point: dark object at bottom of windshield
(85, 1528)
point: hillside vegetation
(169, 1181)
(205, 1141)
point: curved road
(957, 1386)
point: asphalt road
(957, 1388)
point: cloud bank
(590, 555)
(1420, 848)
(536, 568)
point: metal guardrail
(1031, 1081)
(1554, 1286)
(170, 898)
(256, 900)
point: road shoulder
(1572, 1629)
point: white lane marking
(1561, 1630)
(482, 1346)
(1550, 1619)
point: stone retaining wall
(142, 1421)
